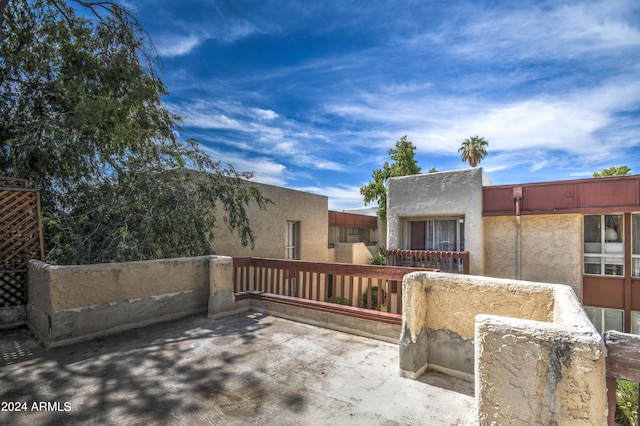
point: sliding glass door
(437, 234)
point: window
(635, 322)
(437, 234)
(606, 319)
(635, 246)
(292, 245)
(604, 244)
(354, 231)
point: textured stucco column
(530, 372)
(39, 308)
(221, 295)
(414, 343)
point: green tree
(404, 164)
(82, 119)
(613, 171)
(473, 150)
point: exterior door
(437, 235)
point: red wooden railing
(446, 261)
(346, 284)
(623, 362)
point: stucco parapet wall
(68, 304)
(451, 301)
(533, 353)
(528, 372)
(470, 174)
(77, 286)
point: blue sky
(311, 95)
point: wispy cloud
(570, 122)
(258, 132)
(264, 169)
(265, 114)
(175, 45)
(313, 95)
(539, 31)
(341, 197)
(234, 30)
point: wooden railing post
(611, 400)
(465, 262)
(623, 362)
(312, 280)
(445, 261)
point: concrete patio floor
(246, 369)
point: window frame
(292, 240)
(429, 228)
(592, 311)
(611, 255)
(635, 245)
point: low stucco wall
(73, 303)
(439, 312)
(13, 316)
(551, 248)
(324, 318)
(533, 353)
(357, 253)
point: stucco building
(584, 233)
(293, 226)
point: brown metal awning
(352, 220)
(601, 195)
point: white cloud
(575, 122)
(202, 120)
(236, 30)
(340, 197)
(174, 45)
(283, 139)
(551, 86)
(531, 31)
(265, 114)
(598, 25)
(264, 170)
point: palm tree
(473, 150)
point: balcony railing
(456, 262)
(361, 286)
(623, 362)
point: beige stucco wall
(451, 301)
(551, 248)
(68, 304)
(352, 253)
(535, 356)
(269, 226)
(89, 285)
(538, 373)
(499, 246)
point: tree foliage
(404, 164)
(613, 171)
(473, 150)
(82, 119)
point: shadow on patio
(245, 369)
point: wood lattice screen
(20, 238)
